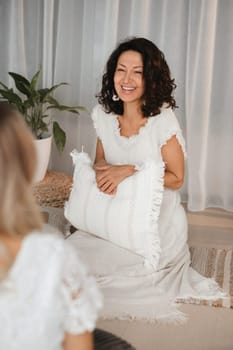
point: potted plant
(34, 104)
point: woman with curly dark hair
(139, 167)
(136, 87)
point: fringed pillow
(129, 218)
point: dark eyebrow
(120, 64)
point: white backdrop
(72, 39)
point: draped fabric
(72, 39)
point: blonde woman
(47, 299)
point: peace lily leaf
(18, 77)
(59, 136)
(64, 108)
(56, 86)
(52, 100)
(12, 98)
(22, 84)
(35, 79)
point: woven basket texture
(53, 190)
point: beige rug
(210, 262)
(217, 264)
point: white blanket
(134, 291)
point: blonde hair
(19, 213)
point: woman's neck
(132, 112)
(132, 120)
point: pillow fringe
(154, 249)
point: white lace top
(142, 147)
(47, 292)
(146, 145)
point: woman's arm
(78, 341)
(99, 154)
(173, 158)
(109, 176)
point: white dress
(132, 290)
(46, 293)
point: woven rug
(218, 264)
(210, 262)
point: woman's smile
(127, 89)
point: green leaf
(51, 100)
(42, 93)
(59, 136)
(12, 98)
(22, 84)
(54, 87)
(65, 108)
(35, 79)
(45, 93)
(54, 104)
(45, 116)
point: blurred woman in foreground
(47, 298)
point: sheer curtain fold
(208, 154)
(72, 40)
(47, 40)
(199, 73)
(16, 52)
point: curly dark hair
(158, 83)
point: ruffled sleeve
(98, 116)
(83, 298)
(168, 127)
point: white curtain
(71, 40)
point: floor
(207, 328)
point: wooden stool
(53, 190)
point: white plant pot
(43, 150)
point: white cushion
(129, 218)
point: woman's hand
(109, 176)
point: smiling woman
(136, 129)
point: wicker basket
(53, 190)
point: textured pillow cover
(129, 218)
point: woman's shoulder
(51, 244)
(43, 242)
(46, 235)
(98, 112)
(103, 122)
(166, 115)
(51, 248)
(166, 120)
(40, 254)
(167, 125)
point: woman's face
(128, 77)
